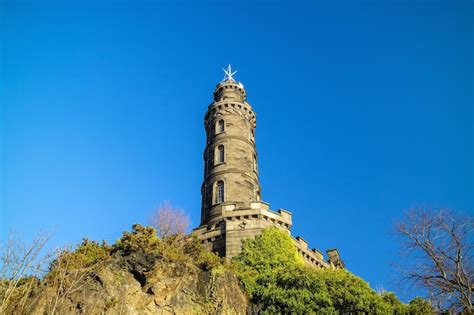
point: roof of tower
(229, 87)
(230, 90)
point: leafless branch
(169, 222)
(21, 266)
(438, 246)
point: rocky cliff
(141, 284)
(139, 274)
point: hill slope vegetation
(143, 274)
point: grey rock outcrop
(138, 284)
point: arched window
(220, 192)
(255, 163)
(220, 126)
(220, 154)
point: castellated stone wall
(235, 225)
(225, 236)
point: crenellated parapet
(225, 234)
(239, 224)
(310, 256)
(335, 259)
(243, 109)
(230, 90)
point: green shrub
(419, 306)
(278, 282)
(397, 306)
(91, 252)
(292, 290)
(188, 249)
(85, 256)
(200, 255)
(351, 294)
(273, 249)
(141, 239)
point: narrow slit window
(220, 126)
(220, 192)
(221, 153)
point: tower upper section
(230, 156)
(229, 90)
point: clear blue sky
(364, 109)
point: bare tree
(35, 281)
(169, 222)
(21, 267)
(438, 246)
(68, 274)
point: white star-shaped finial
(229, 74)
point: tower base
(224, 234)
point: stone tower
(232, 209)
(230, 156)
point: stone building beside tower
(232, 209)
